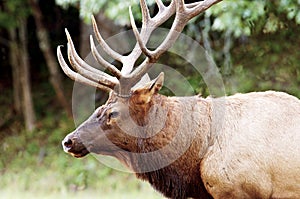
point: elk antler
(124, 80)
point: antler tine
(183, 15)
(103, 62)
(103, 44)
(160, 5)
(202, 6)
(145, 11)
(141, 70)
(191, 5)
(77, 77)
(85, 73)
(164, 12)
(75, 56)
(172, 36)
(137, 35)
(129, 60)
(149, 24)
(86, 70)
(179, 23)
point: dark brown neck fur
(181, 178)
(176, 182)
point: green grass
(50, 185)
(34, 165)
(58, 175)
(14, 192)
(90, 194)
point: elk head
(118, 125)
(134, 109)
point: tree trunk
(15, 64)
(44, 43)
(27, 104)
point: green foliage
(238, 17)
(244, 17)
(267, 62)
(114, 9)
(291, 8)
(12, 12)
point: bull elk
(183, 146)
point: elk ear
(157, 83)
(144, 93)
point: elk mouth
(77, 150)
(79, 154)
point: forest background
(255, 44)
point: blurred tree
(14, 19)
(45, 46)
(14, 51)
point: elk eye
(113, 114)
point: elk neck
(173, 122)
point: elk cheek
(105, 127)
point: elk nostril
(68, 143)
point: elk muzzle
(74, 146)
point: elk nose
(68, 143)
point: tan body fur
(256, 150)
(251, 150)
